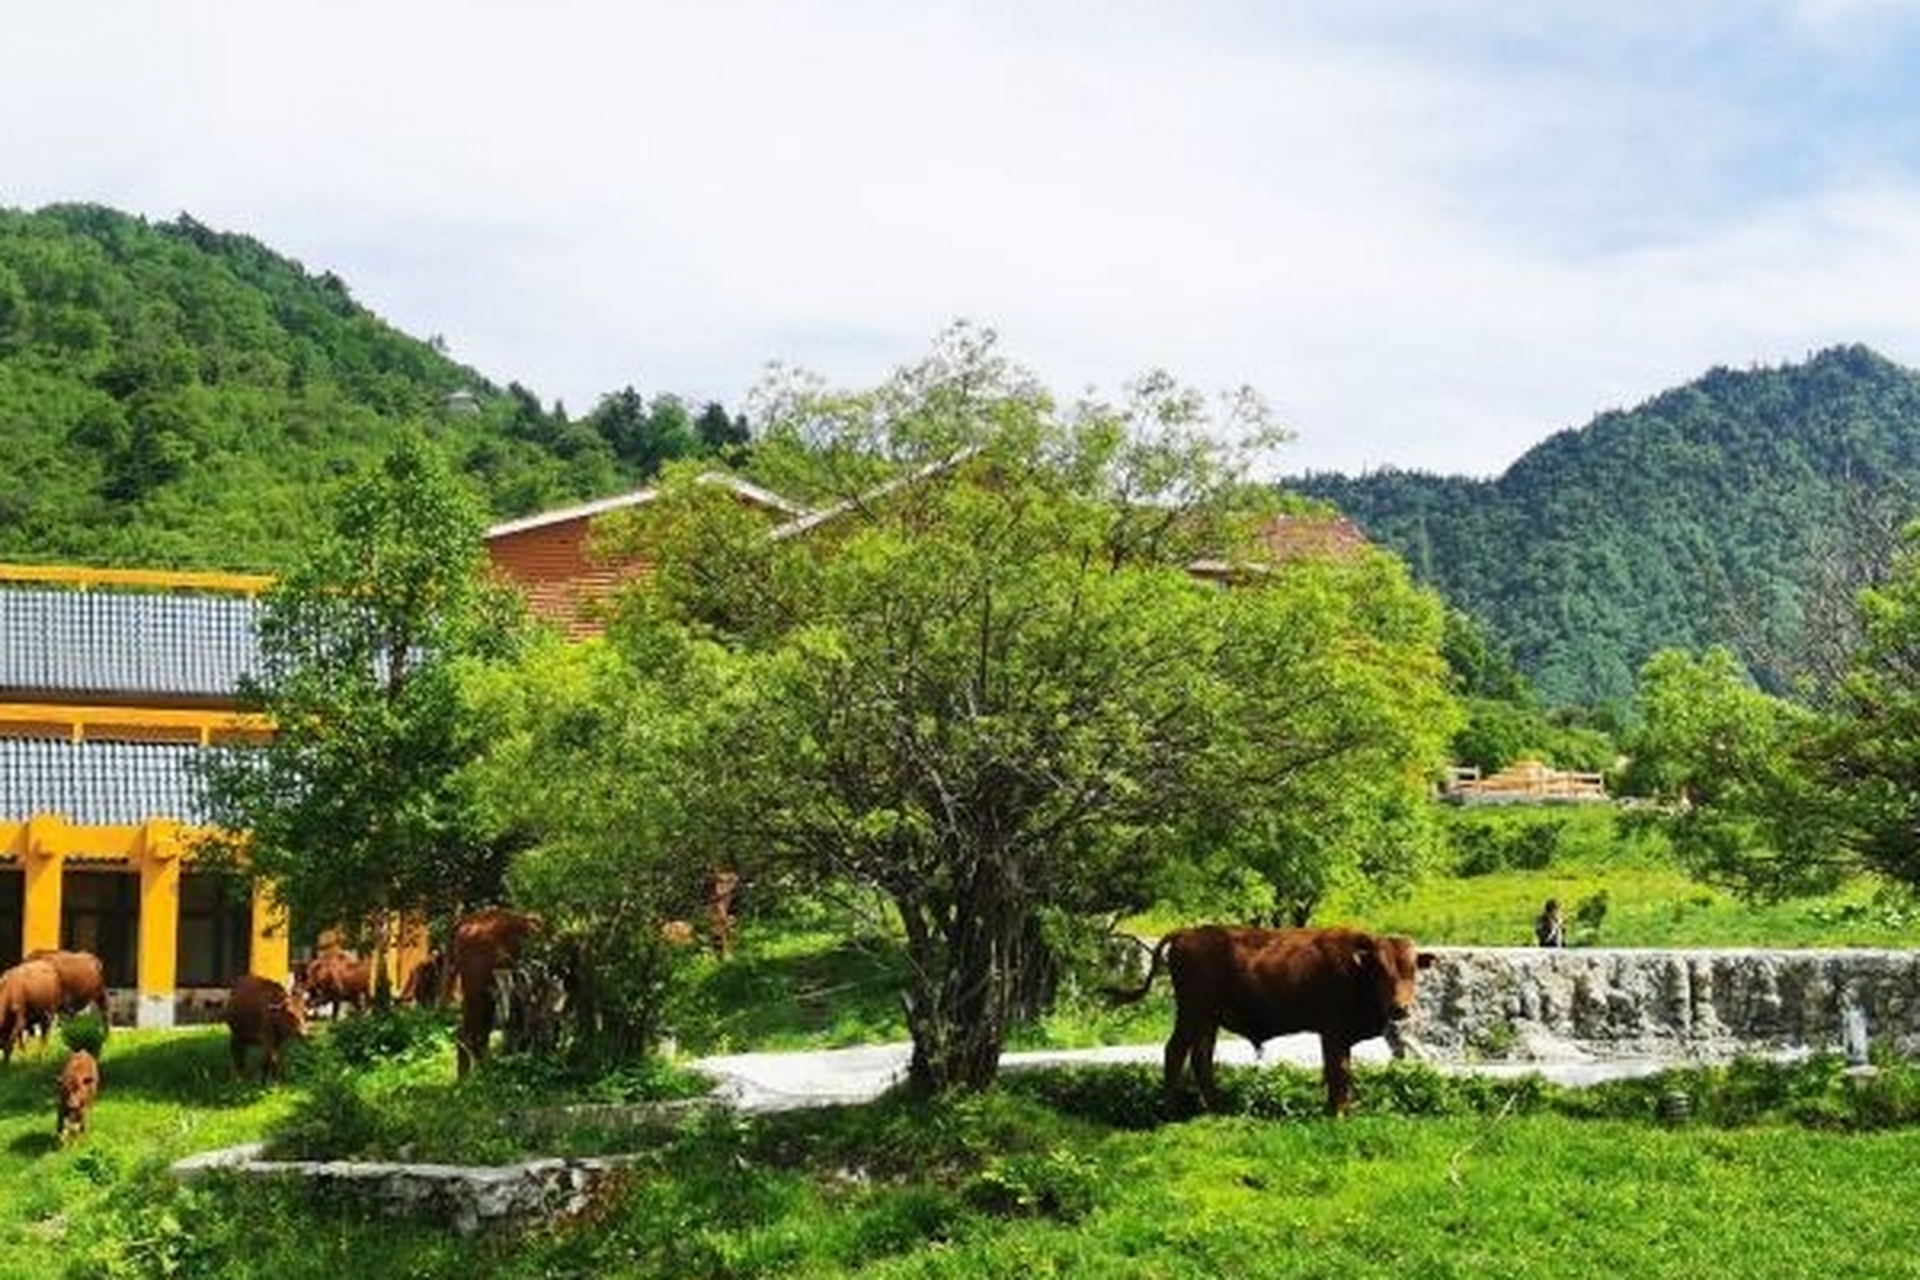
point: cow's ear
(1425, 960)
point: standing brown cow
(29, 999)
(262, 1012)
(485, 944)
(333, 978)
(83, 980)
(78, 1085)
(1346, 985)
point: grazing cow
(83, 980)
(1346, 985)
(334, 978)
(262, 1012)
(29, 1000)
(78, 1085)
(486, 946)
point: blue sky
(1429, 234)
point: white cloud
(1429, 244)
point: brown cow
(1346, 985)
(333, 978)
(29, 1000)
(78, 1085)
(486, 944)
(262, 1012)
(83, 980)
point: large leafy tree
(988, 685)
(353, 810)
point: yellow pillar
(272, 947)
(159, 924)
(43, 866)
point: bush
(397, 1031)
(86, 1030)
(1486, 841)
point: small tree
(350, 812)
(591, 771)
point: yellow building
(111, 682)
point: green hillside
(1740, 509)
(174, 396)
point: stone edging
(466, 1197)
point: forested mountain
(1742, 508)
(173, 396)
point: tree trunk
(965, 957)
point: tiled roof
(100, 783)
(122, 644)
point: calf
(29, 999)
(262, 1012)
(1346, 985)
(78, 1085)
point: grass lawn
(1081, 1181)
(164, 1095)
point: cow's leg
(1203, 1045)
(476, 1028)
(1336, 1065)
(1174, 1064)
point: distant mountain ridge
(1735, 509)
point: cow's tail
(1117, 996)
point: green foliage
(1488, 840)
(353, 808)
(991, 693)
(171, 395)
(1737, 510)
(84, 1030)
(592, 770)
(390, 1033)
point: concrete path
(784, 1081)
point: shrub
(86, 1030)
(394, 1032)
(1486, 841)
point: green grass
(1068, 1177)
(164, 1095)
(1648, 900)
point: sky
(1429, 234)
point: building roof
(752, 493)
(119, 645)
(100, 783)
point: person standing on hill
(1549, 927)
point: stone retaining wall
(465, 1197)
(1517, 1004)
